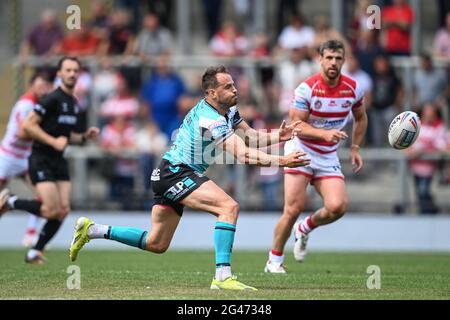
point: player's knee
(337, 208)
(157, 247)
(65, 209)
(293, 210)
(230, 210)
(50, 211)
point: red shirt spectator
(397, 20)
(80, 42)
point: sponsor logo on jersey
(345, 91)
(155, 175)
(332, 103)
(318, 104)
(179, 189)
(347, 104)
(319, 91)
(66, 119)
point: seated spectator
(161, 95)
(99, 19)
(442, 41)
(120, 40)
(397, 21)
(430, 83)
(123, 104)
(43, 37)
(296, 35)
(387, 99)
(291, 73)
(432, 138)
(153, 40)
(106, 80)
(118, 138)
(324, 32)
(352, 69)
(229, 42)
(79, 42)
(367, 48)
(151, 144)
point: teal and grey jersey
(202, 130)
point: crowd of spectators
(139, 109)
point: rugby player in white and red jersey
(15, 148)
(324, 103)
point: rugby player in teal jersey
(213, 124)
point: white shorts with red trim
(322, 166)
(11, 167)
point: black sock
(48, 231)
(32, 206)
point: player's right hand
(60, 143)
(295, 159)
(334, 135)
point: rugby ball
(404, 130)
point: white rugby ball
(404, 130)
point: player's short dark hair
(332, 45)
(209, 78)
(39, 75)
(61, 61)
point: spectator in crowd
(367, 48)
(324, 32)
(229, 42)
(432, 138)
(123, 104)
(43, 37)
(352, 69)
(99, 19)
(118, 138)
(106, 80)
(430, 83)
(163, 9)
(120, 35)
(397, 21)
(360, 21)
(153, 40)
(133, 8)
(442, 40)
(291, 72)
(285, 9)
(161, 94)
(296, 35)
(151, 144)
(212, 10)
(387, 98)
(79, 42)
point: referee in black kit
(52, 125)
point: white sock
(275, 258)
(223, 272)
(32, 253)
(33, 222)
(11, 201)
(306, 226)
(97, 231)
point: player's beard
(229, 102)
(333, 76)
(71, 84)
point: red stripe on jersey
(318, 142)
(329, 114)
(12, 153)
(317, 149)
(357, 104)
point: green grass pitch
(178, 275)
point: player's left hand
(92, 133)
(357, 161)
(287, 132)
